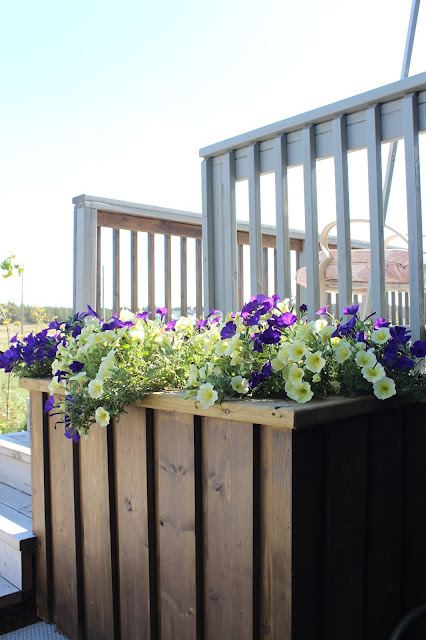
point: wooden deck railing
(94, 215)
(364, 122)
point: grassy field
(13, 408)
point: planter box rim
(275, 412)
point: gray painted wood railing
(393, 112)
(93, 215)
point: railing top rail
(136, 209)
(387, 93)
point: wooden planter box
(255, 519)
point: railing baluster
(209, 249)
(283, 277)
(151, 274)
(134, 270)
(374, 154)
(199, 278)
(342, 210)
(230, 278)
(241, 276)
(414, 216)
(265, 271)
(99, 271)
(168, 275)
(311, 219)
(183, 278)
(256, 276)
(276, 273)
(116, 270)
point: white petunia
(384, 388)
(302, 392)
(372, 374)
(342, 352)
(314, 361)
(365, 359)
(380, 336)
(296, 351)
(95, 388)
(206, 395)
(240, 384)
(102, 416)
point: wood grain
(383, 593)
(227, 462)
(132, 523)
(41, 506)
(344, 530)
(65, 603)
(175, 480)
(96, 536)
(150, 225)
(275, 533)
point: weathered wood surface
(227, 454)
(176, 549)
(64, 566)
(192, 526)
(96, 536)
(130, 465)
(40, 492)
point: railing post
(85, 257)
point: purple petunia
(269, 336)
(143, 316)
(229, 330)
(418, 349)
(48, 405)
(161, 311)
(381, 322)
(351, 311)
(322, 311)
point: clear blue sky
(115, 100)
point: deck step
(17, 540)
(15, 460)
(8, 594)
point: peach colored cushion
(396, 266)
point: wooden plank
(230, 267)
(168, 275)
(116, 270)
(176, 552)
(65, 587)
(283, 286)
(311, 219)
(208, 235)
(227, 463)
(414, 517)
(85, 249)
(99, 271)
(344, 530)
(9, 594)
(11, 565)
(16, 500)
(151, 274)
(132, 523)
(256, 276)
(414, 216)
(16, 528)
(342, 210)
(96, 536)
(198, 278)
(183, 278)
(270, 241)
(383, 593)
(307, 525)
(275, 533)
(134, 271)
(374, 155)
(135, 223)
(240, 276)
(41, 504)
(265, 270)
